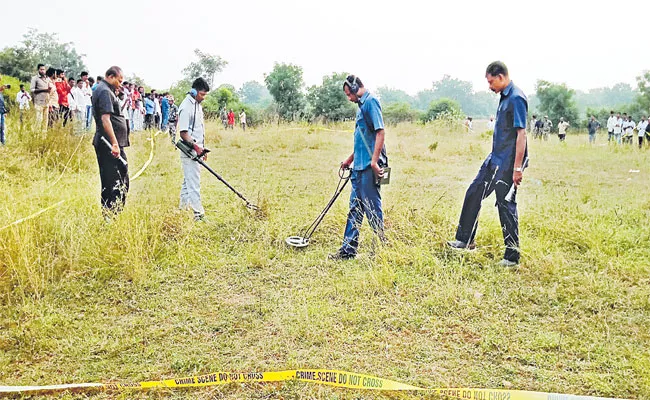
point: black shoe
(458, 245)
(339, 256)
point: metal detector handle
(513, 187)
(345, 172)
(110, 146)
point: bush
(400, 112)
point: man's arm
(379, 144)
(108, 128)
(519, 156)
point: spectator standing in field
(150, 109)
(592, 127)
(52, 97)
(157, 110)
(224, 117)
(539, 127)
(22, 99)
(79, 111)
(562, 126)
(3, 111)
(548, 126)
(40, 93)
(641, 128)
(63, 90)
(242, 119)
(611, 123)
(618, 128)
(628, 128)
(112, 127)
(164, 108)
(87, 99)
(231, 119)
(173, 118)
(490, 124)
(532, 127)
(502, 170)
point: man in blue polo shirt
(369, 158)
(502, 171)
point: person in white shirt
(157, 110)
(611, 122)
(23, 98)
(242, 119)
(628, 128)
(490, 124)
(618, 128)
(643, 124)
(561, 129)
(79, 109)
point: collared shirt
(190, 119)
(105, 102)
(79, 98)
(40, 83)
(642, 127)
(562, 127)
(629, 126)
(242, 117)
(512, 115)
(53, 96)
(23, 98)
(149, 105)
(611, 122)
(618, 126)
(592, 126)
(62, 89)
(365, 136)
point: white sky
(404, 44)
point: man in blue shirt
(149, 107)
(369, 158)
(164, 107)
(502, 171)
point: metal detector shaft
(107, 143)
(183, 147)
(312, 228)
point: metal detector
(303, 239)
(107, 143)
(189, 151)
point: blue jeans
(89, 116)
(364, 199)
(2, 128)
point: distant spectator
(562, 126)
(52, 97)
(88, 93)
(548, 126)
(532, 127)
(40, 93)
(3, 111)
(231, 119)
(63, 89)
(242, 119)
(592, 127)
(628, 129)
(618, 128)
(22, 99)
(490, 124)
(150, 109)
(611, 123)
(641, 129)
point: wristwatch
(519, 169)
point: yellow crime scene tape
(53, 206)
(335, 378)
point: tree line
(283, 96)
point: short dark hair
(201, 85)
(496, 68)
(611, 112)
(50, 72)
(22, 86)
(71, 78)
(112, 71)
(100, 78)
(350, 79)
(40, 65)
(59, 71)
(79, 80)
(91, 80)
(84, 73)
(534, 116)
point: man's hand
(379, 171)
(517, 176)
(115, 150)
(198, 149)
(347, 162)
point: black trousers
(490, 179)
(114, 177)
(148, 121)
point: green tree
(285, 85)
(399, 112)
(643, 97)
(254, 93)
(556, 101)
(20, 61)
(443, 108)
(389, 96)
(207, 66)
(329, 101)
(136, 80)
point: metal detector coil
(302, 240)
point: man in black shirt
(111, 125)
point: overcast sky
(404, 44)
